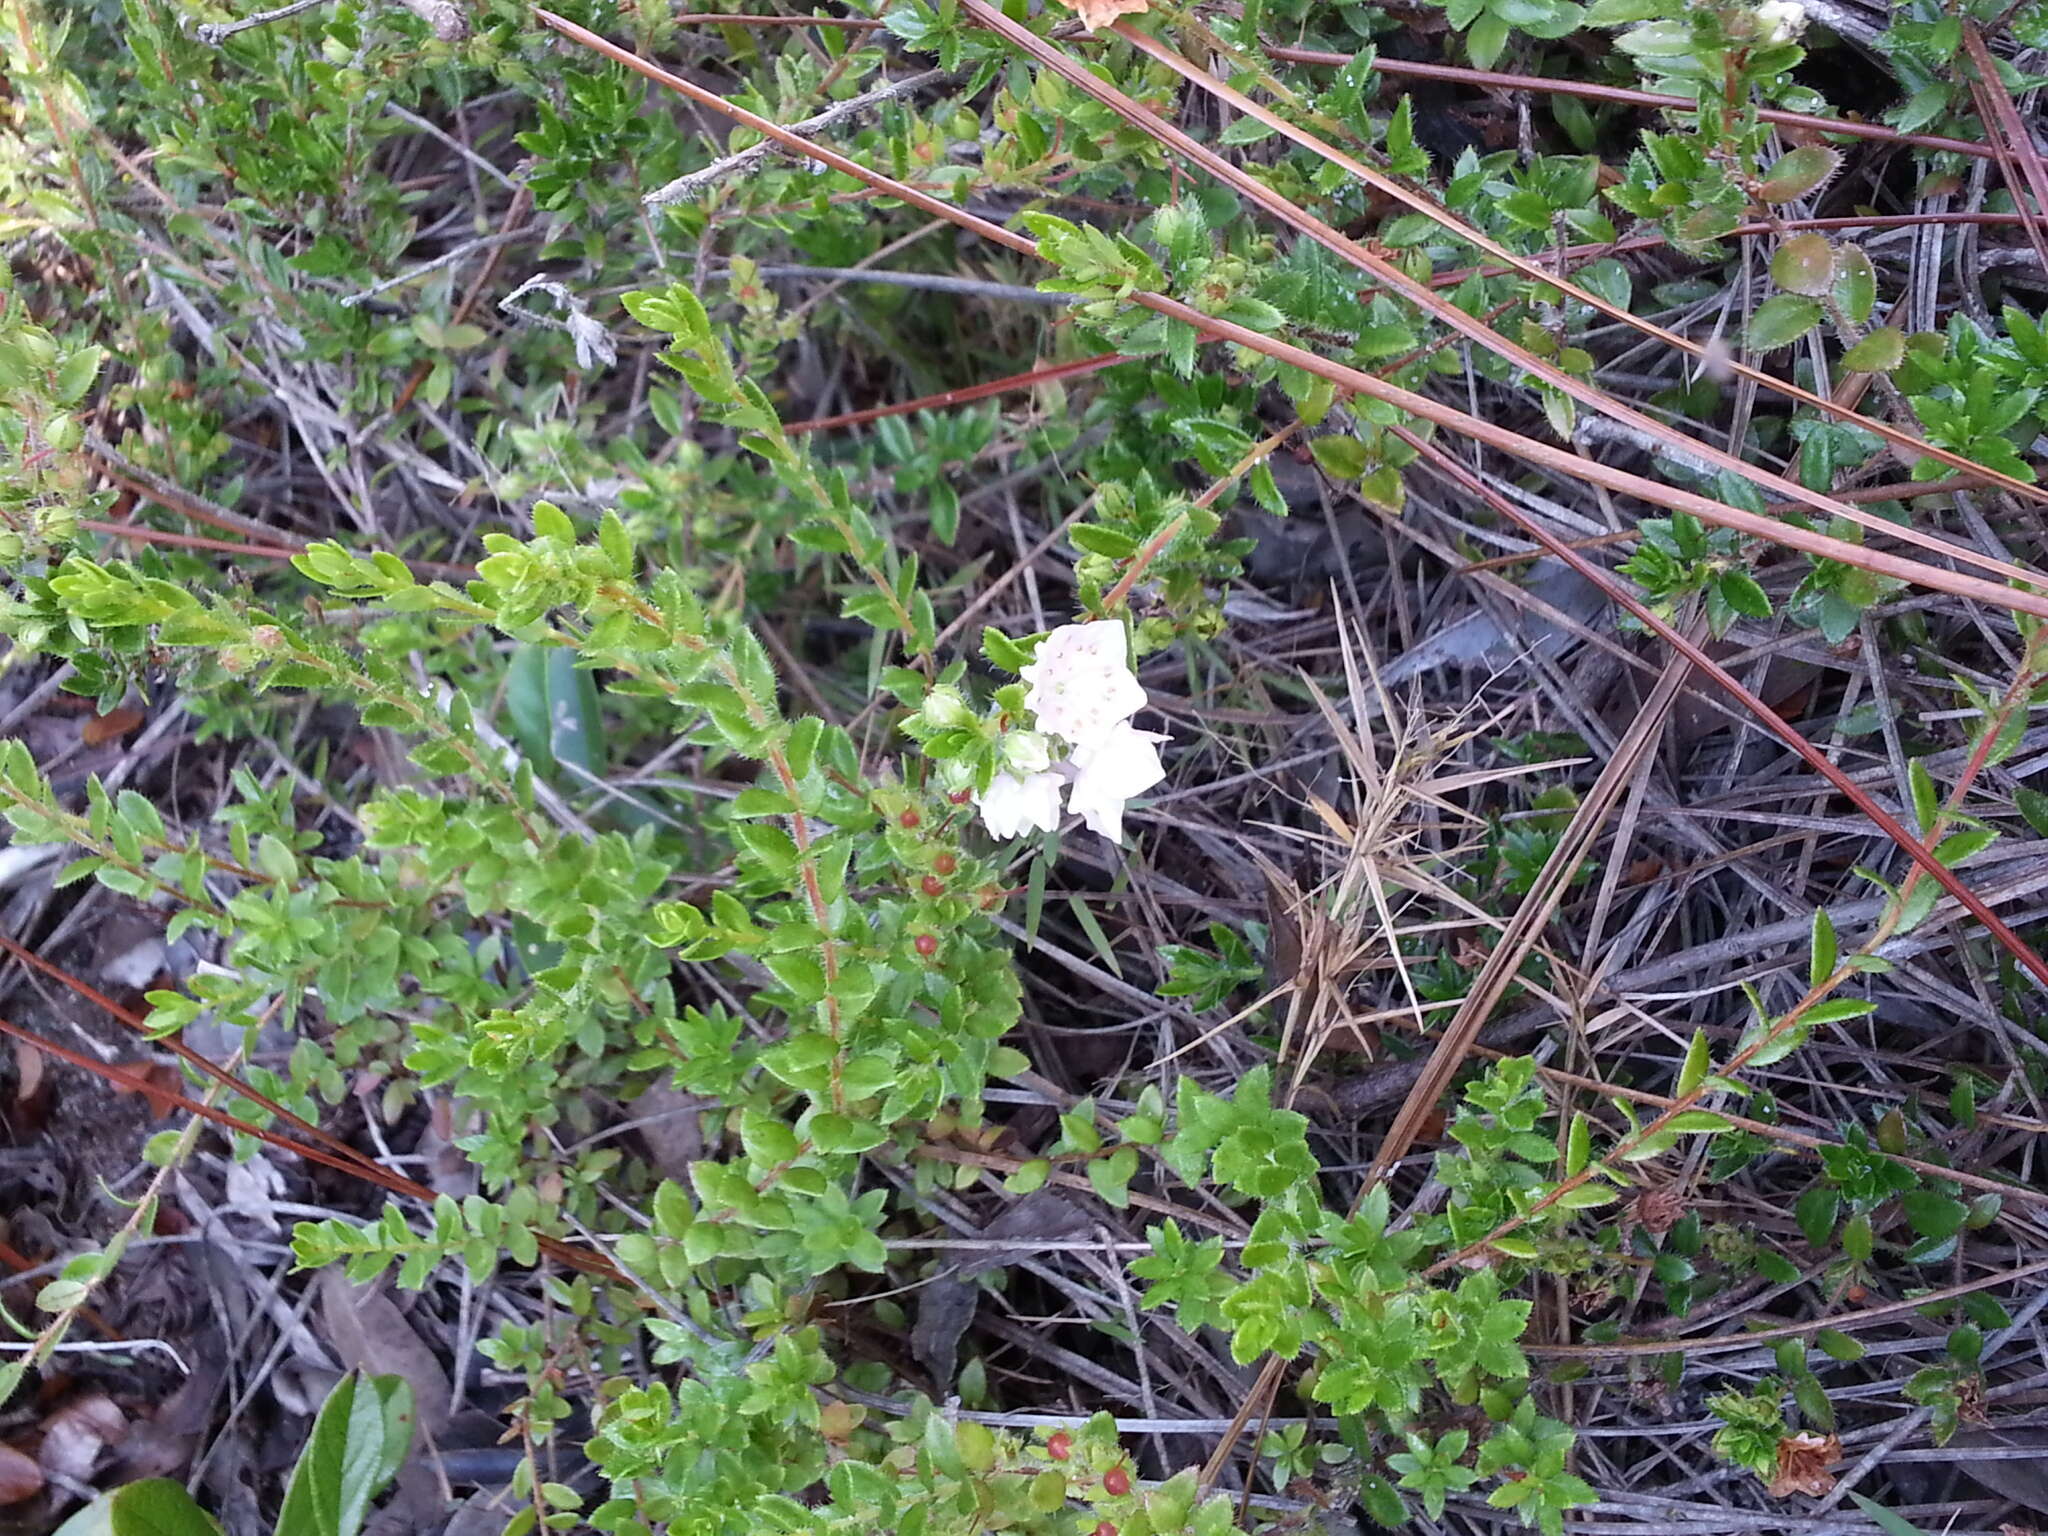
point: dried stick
(693, 184)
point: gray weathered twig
(214, 33)
(692, 184)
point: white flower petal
(1121, 765)
(1080, 682)
(1016, 805)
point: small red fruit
(926, 944)
(1116, 1482)
(1060, 1445)
(909, 819)
(945, 864)
(934, 886)
(961, 796)
(1105, 1528)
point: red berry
(1105, 1528)
(1116, 1482)
(961, 796)
(909, 819)
(926, 944)
(945, 864)
(1060, 1446)
(934, 886)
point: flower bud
(1026, 753)
(945, 710)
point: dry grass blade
(1779, 726)
(1512, 948)
(1449, 314)
(1528, 449)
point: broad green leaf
(552, 707)
(1804, 264)
(1879, 352)
(1781, 320)
(1798, 173)
(156, 1506)
(359, 1441)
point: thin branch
(214, 33)
(693, 184)
(931, 282)
(1623, 96)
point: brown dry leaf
(20, 1477)
(28, 1071)
(160, 1085)
(1803, 1463)
(1100, 13)
(101, 729)
(366, 1329)
(75, 1434)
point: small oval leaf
(1781, 320)
(1855, 283)
(1798, 173)
(1804, 264)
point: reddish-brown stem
(1515, 444)
(1031, 378)
(2011, 140)
(1623, 96)
(1155, 545)
(1777, 724)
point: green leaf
(1836, 1009)
(1820, 964)
(1699, 1122)
(2033, 806)
(1837, 1345)
(1804, 264)
(359, 1441)
(1697, 1064)
(1855, 285)
(1111, 1176)
(1029, 1176)
(1740, 591)
(1586, 1196)
(1886, 1521)
(1094, 539)
(1960, 847)
(553, 709)
(1798, 173)
(1781, 320)
(1879, 352)
(1816, 1213)
(1926, 799)
(1578, 1146)
(156, 1506)
(1341, 458)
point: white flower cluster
(1083, 691)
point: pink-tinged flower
(1121, 765)
(1081, 683)
(1014, 806)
